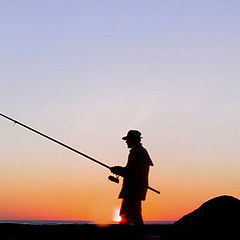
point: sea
(60, 222)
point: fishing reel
(114, 179)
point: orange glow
(63, 194)
(36, 185)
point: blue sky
(126, 63)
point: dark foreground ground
(9, 231)
(114, 232)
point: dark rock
(218, 218)
(223, 210)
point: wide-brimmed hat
(132, 134)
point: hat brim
(126, 138)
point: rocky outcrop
(223, 210)
(218, 218)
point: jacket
(135, 174)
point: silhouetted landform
(218, 218)
(217, 211)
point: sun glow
(116, 215)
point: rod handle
(154, 190)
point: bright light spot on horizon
(116, 215)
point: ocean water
(56, 222)
(45, 222)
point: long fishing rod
(68, 147)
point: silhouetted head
(133, 137)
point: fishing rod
(111, 178)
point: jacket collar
(135, 146)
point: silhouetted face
(131, 143)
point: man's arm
(118, 170)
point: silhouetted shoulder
(141, 154)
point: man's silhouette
(135, 179)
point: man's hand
(117, 170)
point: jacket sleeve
(118, 170)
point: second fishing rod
(111, 178)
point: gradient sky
(85, 72)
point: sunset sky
(85, 72)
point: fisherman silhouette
(135, 179)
